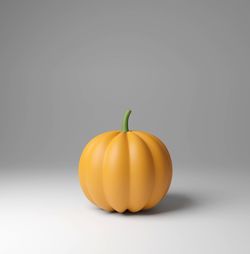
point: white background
(205, 212)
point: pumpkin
(125, 170)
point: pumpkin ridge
(89, 149)
(153, 162)
(156, 139)
(104, 158)
(128, 152)
(160, 143)
(104, 155)
(164, 150)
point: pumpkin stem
(125, 120)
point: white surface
(207, 211)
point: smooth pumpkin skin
(121, 171)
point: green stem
(125, 120)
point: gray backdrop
(69, 69)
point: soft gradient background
(68, 71)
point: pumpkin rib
(155, 138)
(96, 141)
(164, 148)
(128, 165)
(153, 162)
(155, 199)
(108, 184)
(158, 141)
(90, 149)
(106, 205)
(155, 185)
(129, 173)
(104, 195)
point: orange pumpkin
(125, 170)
